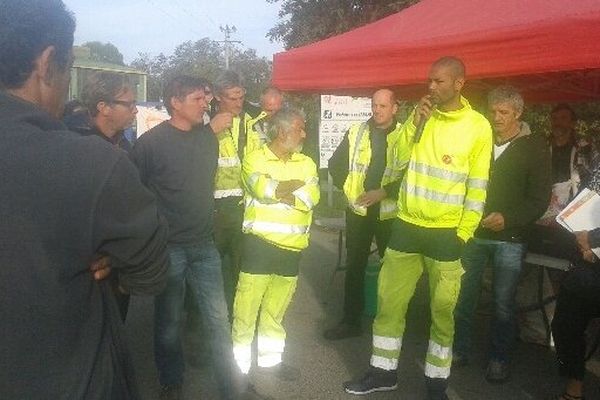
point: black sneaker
(436, 388)
(171, 392)
(375, 380)
(497, 371)
(282, 371)
(343, 330)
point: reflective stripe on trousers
(397, 281)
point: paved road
(326, 365)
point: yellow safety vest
(446, 179)
(360, 157)
(257, 128)
(278, 223)
(227, 178)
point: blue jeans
(506, 259)
(200, 264)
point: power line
(174, 18)
(191, 14)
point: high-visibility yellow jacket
(228, 176)
(266, 216)
(359, 158)
(257, 128)
(447, 174)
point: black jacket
(82, 124)
(520, 186)
(64, 200)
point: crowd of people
(210, 211)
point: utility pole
(227, 31)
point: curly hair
(27, 28)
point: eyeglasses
(129, 104)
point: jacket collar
(456, 114)
(16, 109)
(387, 130)
(273, 157)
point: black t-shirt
(561, 163)
(179, 168)
(378, 138)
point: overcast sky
(155, 26)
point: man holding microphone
(440, 204)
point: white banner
(148, 117)
(337, 114)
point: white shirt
(499, 149)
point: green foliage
(306, 21)
(104, 52)
(204, 59)
(588, 119)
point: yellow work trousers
(397, 280)
(271, 294)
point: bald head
(384, 107)
(385, 94)
(452, 64)
(446, 80)
(271, 100)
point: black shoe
(497, 371)
(282, 371)
(343, 330)
(436, 388)
(375, 380)
(252, 394)
(459, 360)
(171, 392)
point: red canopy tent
(550, 49)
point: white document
(582, 214)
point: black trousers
(229, 215)
(359, 235)
(578, 302)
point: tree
(306, 21)
(104, 52)
(155, 68)
(204, 59)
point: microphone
(421, 126)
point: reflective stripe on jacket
(446, 179)
(257, 127)
(278, 223)
(227, 179)
(359, 146)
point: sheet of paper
(582, 214)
